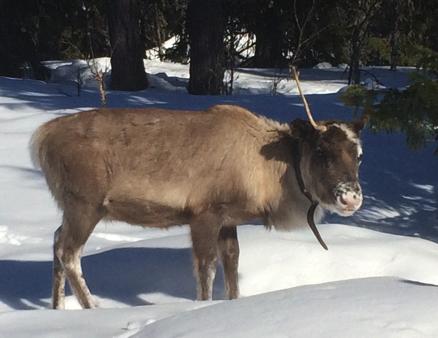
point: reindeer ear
(359, 124)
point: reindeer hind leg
(58, 288)
(78, 223)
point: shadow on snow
(122, 275)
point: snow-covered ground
(377, 279)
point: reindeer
(212, 169)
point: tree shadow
(407, 281)
(307, 74)
(49, 97)
(122, 275)
(25, 171)
(402, 202)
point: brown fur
(212, 169)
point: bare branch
(301, 29)
(306, 105)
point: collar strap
(314, 204)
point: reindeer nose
(351, 200)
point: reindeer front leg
(229, 252)
(204, 241)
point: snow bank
(323, 65)
(378, 307)
(129, 267)
(372, 307)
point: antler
(306, 105)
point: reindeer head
(330, 155)
(329, 164)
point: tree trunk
(127, 49)
(206, 25)
(268, 40)
(395, 49)
(354, 74)
(395, 36)
(267, 50)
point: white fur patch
(211, 274)
(351, 135)
(343, 188)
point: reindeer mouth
(347, 199)
(345, 212)
(348, 203)
(339, 209)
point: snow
(377, 279)
(327, 310)
(154, 53)
(323, 65)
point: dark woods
(217, 36)
(302, 32)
